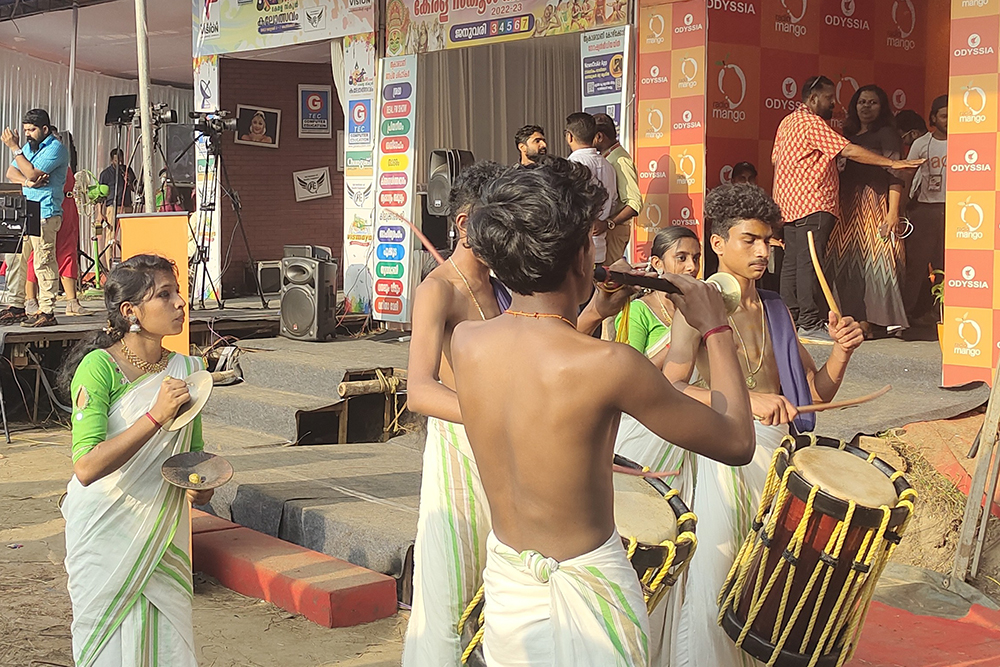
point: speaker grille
(297, 311)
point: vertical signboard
(971, 300)
(670, 119)
(604, 71)
(394, 187)
(359, 181)
(208, 217)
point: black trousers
(924, 248)
(800, 288)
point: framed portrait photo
(257, 126)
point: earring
(134, 324)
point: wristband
(718, 329)
(153, 419)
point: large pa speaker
(308, 298)
(445, 166)
(178, 144)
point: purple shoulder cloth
(791, 374)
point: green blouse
(645, 329)
(97, 384)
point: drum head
(844, 476)
(212, 471)
(200, 387)
(641, 512)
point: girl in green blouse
(675, 250)
(128, 550)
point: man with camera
(40, 168)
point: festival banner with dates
(227, 26)
(394, 265)
(421, 26)
(971, 300)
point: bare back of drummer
(541, 405)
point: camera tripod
(202, 231)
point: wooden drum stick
(822, 278)
(820, 407)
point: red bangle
(718, 329)
(153, 419)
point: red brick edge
(327, 591)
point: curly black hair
(728, 205)
(532, 223)
(469, 185)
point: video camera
(161, 114)
(213, 122)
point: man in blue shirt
(40, 167)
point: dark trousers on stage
(800, 288)
(924, 251)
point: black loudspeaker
(178, 145)
(121, 108)
(308, 298)
(445, 166)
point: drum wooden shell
(828, 512)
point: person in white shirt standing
(925, 244)
(581, 129)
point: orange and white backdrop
(972, 304)
(670, 117)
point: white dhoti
(725, 501)
(450, 550)
(640, 445)
(586, 611)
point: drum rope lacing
(872, 557)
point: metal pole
(145, 111)
(72, 68)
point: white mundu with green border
(128, 551)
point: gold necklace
(518, 313)
(468, 287)
(144, 365)
(750, 379)
(663, 308)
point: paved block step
(263, 410)
(326, 590)
(313, 372)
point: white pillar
(72, 69)
(145, 112)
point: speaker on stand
(308, 298)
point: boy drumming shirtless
(454, 517)
(541, 404)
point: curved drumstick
(822, 277)
(820, 407)
(644, 473)
(420, 235)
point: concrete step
(316, 370)
(261, 409)
(354, 502)
(223, 438)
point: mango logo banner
(687, 120)
(781, 82)
(974, 8)
(736, 21)
(734, 91)
(654, 29)
(968, 336)
(974, 45)
(688, 169)
(653, 123)
(971, 160)
(654, 74)
(688, 69)
(688, 25)
(654, 167)
(970, 220)
(791, 25)
(972, 104)
(968, 280)
(899, 31)
(686, 211)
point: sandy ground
(230, 630)
(235, 631)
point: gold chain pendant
(751, 382)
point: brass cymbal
(200, 387)
(212, 471)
